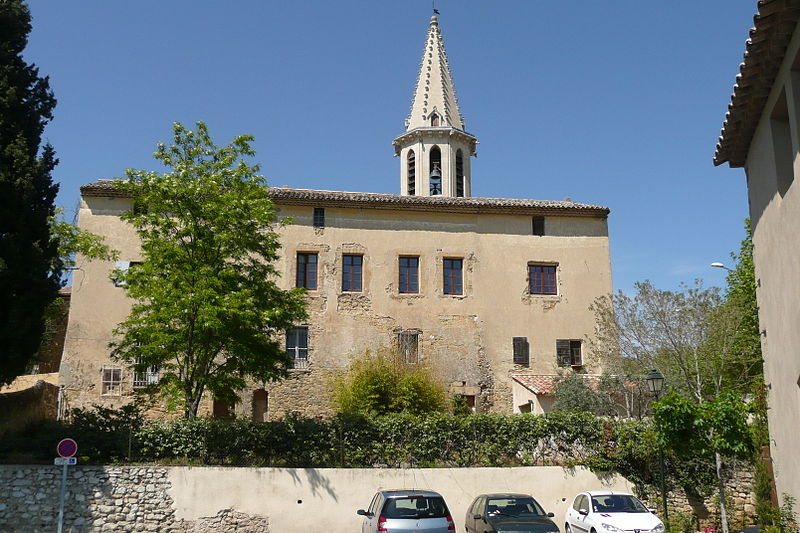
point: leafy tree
(714, 428)
(574, 394)
(30, 266)
(206, 306)
(383, 383)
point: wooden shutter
(563, 352)
(576, 358)
(521, 351)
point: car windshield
(415, 507)
(523, 506)
(617, 503)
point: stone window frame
(467, 260)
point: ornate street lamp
(655, 383)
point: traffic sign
(67, 448)
(63, 461)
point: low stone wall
(249, 500)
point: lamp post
(655, 383)
(717, 264)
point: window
(409, 274)
(319, 217)
(111, 381)
(351, 272)
(260, 405)
(568, 352)
(521, 351)
(435, 171)
(150, 376)
(538, 226)
(459, 173)
(297, 346)
(411, 173)
(542, 279)
(434, 120)
(408, 346)
(453, 280)
(307, 270)
(124, 267)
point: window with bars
(306, 270)
(453, 276)
(408, 345)
(409, 274)
(411, 173)
(351, 272)
(319, 217)
(568, 352)
(297, 346)
(459, 173)
(150, 376)
(542, 279)
(538, 226)
(111, 381)
(521, 351)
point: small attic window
(434, 119)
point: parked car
(407, 511)
(490, 513)
(610, 512)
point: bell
(435, 173)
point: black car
(491, 513)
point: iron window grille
(111, 381)
(150, 376)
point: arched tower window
(434, 119)
(459, 173)
(411, 173)
(435, 171)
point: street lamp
(717, 264)
(655, 383)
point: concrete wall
(186, 499)
(467, 339)
(773, 177)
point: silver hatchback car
(407, 511)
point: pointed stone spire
(435, 149)
(435, 95)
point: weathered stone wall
(701, 513)
(22, 407)
(104, 499)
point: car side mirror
(584, 512)
(652, 511)
(362, 512)
(477, 516)
(551, 515)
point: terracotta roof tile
(545, 384)
(774, 24)
(286, 196)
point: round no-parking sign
(67, 448)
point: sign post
(66, 449)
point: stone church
(492, 293)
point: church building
(492, 293)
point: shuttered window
(538, 226)
(521, 351)
(319, 217)
(568, 352)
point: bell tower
(435, 149)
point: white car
(610, 512)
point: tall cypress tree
(29, 259)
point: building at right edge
(761, 134)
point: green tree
(30, 266)
(574, 394)
(206, 306)
(715, 428)
(383, 383)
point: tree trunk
(723, 511)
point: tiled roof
(545, 384)
(774, 24)
(286, 196)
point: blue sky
(613, 103)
